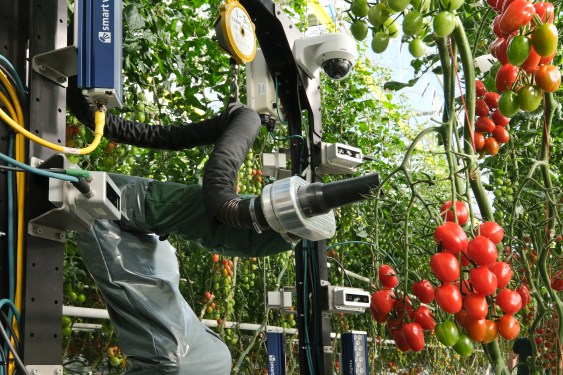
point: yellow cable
(19, 127)
(4, 99)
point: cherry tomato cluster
(557, 281)
(490, 125)
(383, 18)
(546, 343)
(473, 299)
(525, 46)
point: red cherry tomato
(501, 134)
(491, 98)
(445, 267)
(492, 146)
(546, 60)
(484, 124)
(498, 49)
(519, 13)
(423, 316)
(482, 251)
(508, 327)
(382, 301)
(387, 276)
(492, 231)
(448, 298)
(506, 76)
(545, 11)
(483, 280)
(414, 336)
(499, 119)
(424, 291)
(503, 272)
(524, 294)
(481, 107)
(451, 237)
(400, 341)
(509, 301)
(531, 63)
(376, 315)
(548, 78)
(479, 140)
(461, 212)
(476, 305)
(480, 89)
(476, 329)
(491, 331)
(496, 26)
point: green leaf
(133, 18)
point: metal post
(277, 34)
(43, 296)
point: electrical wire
(38, 171)
(4, 361)
(7, 322)
(306, 312)
(13, 74)
(14, 352)
(343, 270)
(98, 130)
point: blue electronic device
(275, 347)
(100, 56)
(354, 353)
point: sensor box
(100, 50)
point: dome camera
(336, 54)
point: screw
(42, 67)
(61, 79)
(59, 370)
(35, 371)
(38, 231)
(62, 236)
(2, 234)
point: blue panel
(100, 46)
(275, 345)
(354, 353)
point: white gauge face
(242, 32)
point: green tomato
(359, 29)
(417, 48)
(443, 23)
(392, 27)
(378, 14)
(464, 345)
(447, 332)
(398, 5)
(412, 23)
(380, 42)
(67, 331)
(67, 321)
(115, 361)
(452, 4)
(421, 5)
(508, 104)
(518, 50)
(359, 8)
(529, 97)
